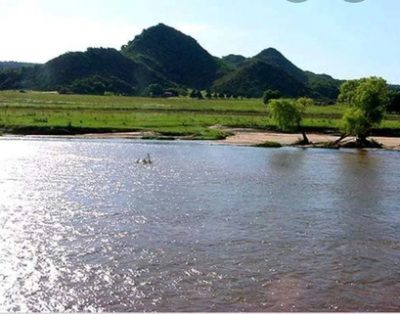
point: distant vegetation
(164, 56)
(270, 94)
(12, 65)
(51, 113)
(205, 91)
(366, 101)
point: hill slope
(255, 77)
(164, 55)
(12, 65)
(104, 66)
(273, 57)
(234, 61)
(177, 56)
(103, 62)
(294, 81)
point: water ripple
(204, 228)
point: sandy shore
(241, 136)
(249, 137)
(254, 137)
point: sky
(343, 39)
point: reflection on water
(204, 228)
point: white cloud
(29, 34)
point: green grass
(50, 113)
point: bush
(269, 144)
(271, 94)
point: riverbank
(256, 137)
(252, 137)
(224, 121)
(34, 113)
(238, 137)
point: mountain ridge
(168, 57)
(197, 68)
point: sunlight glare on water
(204, 228)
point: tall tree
(367, 99)
(287, 114)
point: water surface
(204, 228)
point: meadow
(51, 113)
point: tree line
(367, 100)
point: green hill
(234, 61)
(273, 57)
(323, 85)
(100, 62)
(175, 55)
(165, 56)
(294, 81)
(252, 79)
(94, 71)
(12, 65)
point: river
(205, 227)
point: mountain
(165, 56)
(94, 71)
(12, 65)
(323, 85)
(234, 61)
(394, 87)
(296, 82)
(273, 57)
(175, 55)
(252, 79)
(100, 62)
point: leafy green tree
(154, 90)
(208, 94)
(347, 92)
(196, 94)
(287, 114)
(93, 85)
(183, 91)
(304, 102)
(270, 94)
(367, 98)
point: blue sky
(346, 40)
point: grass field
(50, 113)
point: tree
(199, 95)
(196, 94)
(287, 114)
(270, 94)
(304, 102)
(347, 92)
(93, 85)
(367, 98)
(154, 90)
